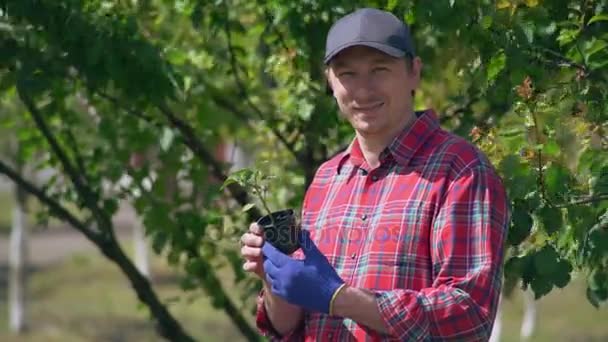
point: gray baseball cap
(370, 27)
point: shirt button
(363, 172)
(374, 178)
(363, 217)
(354, 255)
(330, 335)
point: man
(404, 230)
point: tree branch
(87, 196)
(243, 89)
(191, 140)
(563, 59)
(117, 103)
(539, 159)
(77, 155)
(451, 113)
(217, 170)
(592, 199)
(56, 209)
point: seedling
(280, 227)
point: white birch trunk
(528, 324)
(17, 278)
(140, 248)
(497, 328)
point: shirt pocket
(397, 253)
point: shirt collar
(405, 144)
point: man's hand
(284, 317)
(309, 283)
(251, 250)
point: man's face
(373, 89)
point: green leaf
(227, 182)
(541, 286)
(550, 218)
(110, 206)
(496, 65)
(166, 139)
(600, 185)
(595, 47)
(513, 132)
(528, 30)
(188, 283)
(567, 36)
(593, 298)
(390, 6)
(486, 21)
(596, 18)
(551, 148)
(546, 261)
(531, 3)
(159, 241)
(248, 207)
(557, 180)
(521, 224)
(561, 276)
(591, 161)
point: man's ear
(328, 90)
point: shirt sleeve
(265, 327)
(467, 253)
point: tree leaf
(546, 261)
(390, 6)
(541, 286)
(600, 185)
(598, 17)
(550, 218)
(496, 65)
(531, 3)
(521, 224)
(248, 207)
(561, 276)
(567, 36)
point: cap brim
(389, 50)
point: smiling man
(403, 232)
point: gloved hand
(309, 283)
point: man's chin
(366, 128)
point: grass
(6, 211)
(87, 299)
(6, 205)
(563, 315)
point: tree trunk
(166, 324)
(497, 328)
(529, 321)
(18, 253)
(140, 248)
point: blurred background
(121, 120)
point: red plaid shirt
(424, 231)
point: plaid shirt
(424, 231)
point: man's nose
(365, 88)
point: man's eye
(379, 69)
(346, 73)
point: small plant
(255, 181)
(280, 227)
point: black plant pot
(283, 235)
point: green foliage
(148, 89)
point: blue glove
(309, 283)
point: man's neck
(373, 145)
